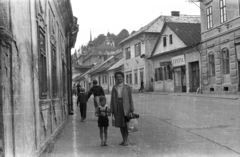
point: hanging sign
(178, 61)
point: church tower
(109, 41)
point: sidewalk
(217, 96)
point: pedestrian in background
(141, 87)
(121, 105)
(102, 112)
(78, 88)
(97, 91)
(82, 100)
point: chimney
(175, 13)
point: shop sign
(178, 61)
(165, 63)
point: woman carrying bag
(121, 106)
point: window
(211, 64)
(106, 79)
(158, 74)
(225, 61)
(110, 80)
(42, 65)
(223, 15)
(54, 72)
(168, 72)
(209, 18)
(170, 39)
(137, 49)
(128, 53)
(64, 78)
(136, 77)
(129, 78)
(164, 41)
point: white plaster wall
(177, 42)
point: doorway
(180, 79)
(195, 83)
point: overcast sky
(102, 16)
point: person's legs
(105, 135)
(122, 133)
(81, 111)
(84, 110)
(125, 129)
(101, 135)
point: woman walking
(121, 105)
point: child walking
(102, 112)
(82, 99)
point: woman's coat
(127, 99)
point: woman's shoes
(123, 143)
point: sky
(103, 16)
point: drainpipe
(200, 68)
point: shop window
(168, 72)
(158, 74)
(225, 61)
(211, 62)
(42, 64)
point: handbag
(132, 125)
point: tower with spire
(90, 44)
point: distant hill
(116, 38)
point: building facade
(36, 39)
(139, 46)
(176, 58)
(220, 51)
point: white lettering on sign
(178, 61)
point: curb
(188, 95)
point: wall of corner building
(29, 124)
(216, 84)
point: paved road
(170, 126)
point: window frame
(223, 12)
(137, 48)
(136, 77)
(128, 53)
(211, 64)
(164, 41)
(209, 17)
(225, 61)
(170, 39)
(43, 82)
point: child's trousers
(83, 110)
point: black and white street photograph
(111, 78)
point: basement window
(211, 89)
(225, 88)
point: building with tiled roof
(177, 54)
(139, 45)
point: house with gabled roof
(176, 58)
(101, 74)
(139, 45)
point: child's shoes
(105, 143)
(102, 143)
